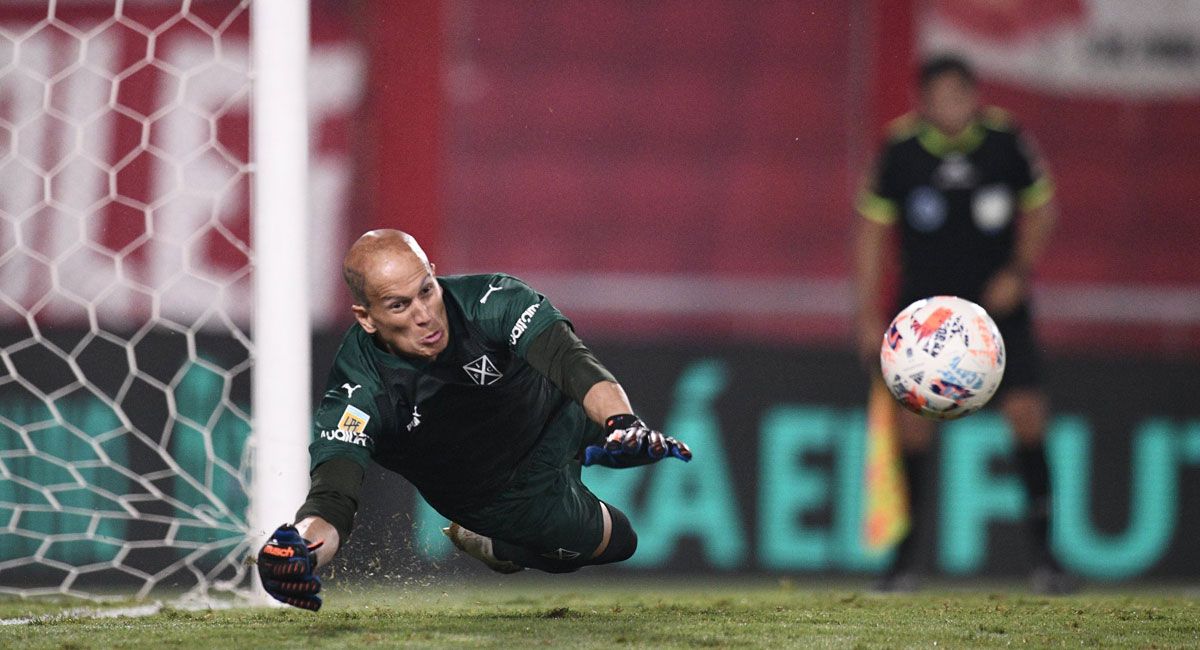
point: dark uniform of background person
(973, 209)
(475, 389)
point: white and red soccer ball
(942, 357)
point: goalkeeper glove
(286, 564)
(628, 442)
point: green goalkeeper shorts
(547, 508)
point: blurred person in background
(973, 210)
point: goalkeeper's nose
(422, 313)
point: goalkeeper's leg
(547, 519)
(551, 549)
(618, 544)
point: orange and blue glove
(286, 565)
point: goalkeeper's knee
(622, 540)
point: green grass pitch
(575, 612)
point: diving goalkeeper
(477, 390)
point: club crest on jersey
(482, 371)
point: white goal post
(282, 326)
(155, 265)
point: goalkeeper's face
(405, 313)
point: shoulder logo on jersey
(491, 289)
(522, 323)
(350, 389)
(351, 427)
(354, 420)
(482, 371)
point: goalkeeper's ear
(364, 318)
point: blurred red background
(681, 168)
(703, 154)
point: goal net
(126, 293)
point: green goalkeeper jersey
(457, 427)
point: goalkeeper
(475, 389)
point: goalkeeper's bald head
(373, 248)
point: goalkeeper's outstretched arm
(328, 513)
(288, 561)
(561, 357)
(316, 528)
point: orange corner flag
(886, 518)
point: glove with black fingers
(628, 442)
(286, 564)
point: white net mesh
(125, 291)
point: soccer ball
(942, 357)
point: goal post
(282, 323)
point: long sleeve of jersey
(558, 354)
(333, 496)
